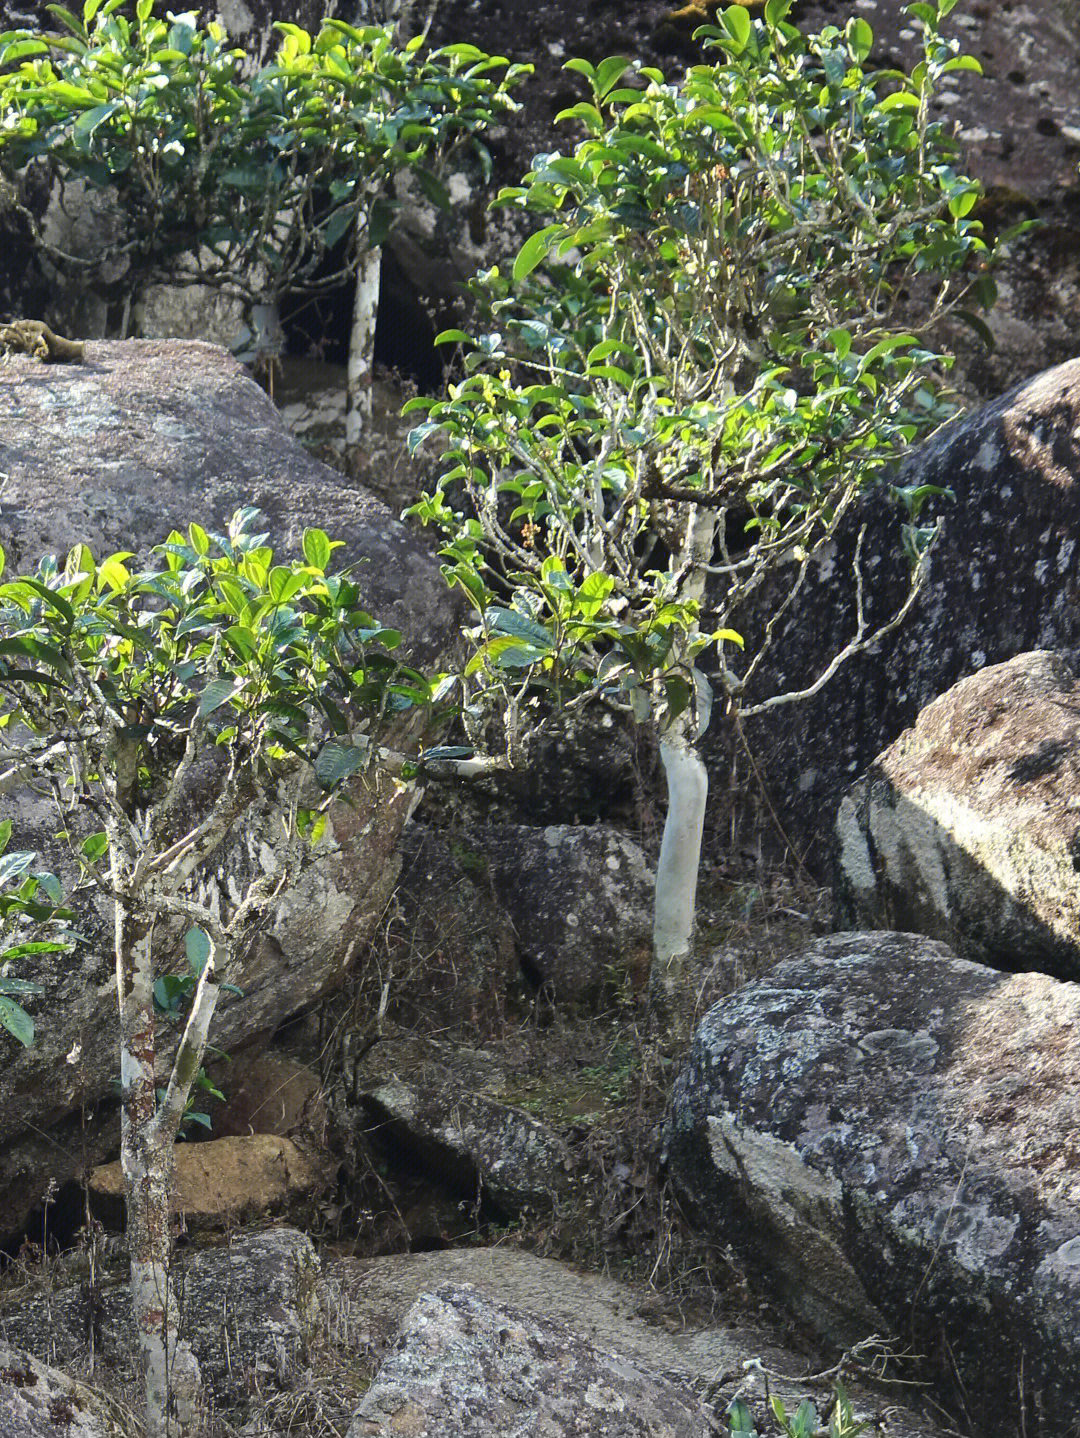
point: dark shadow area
(318, 326)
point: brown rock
(267, 1094)
(227, 1181)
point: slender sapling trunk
(362, 343)
(677, 871)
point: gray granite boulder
(249, 1308)
(580, 898)
(891, 1130)
(968, 827)
(147, 435)
(1004, 579)
(115, 451)
(466, 1365)
(366, 1300)
(38, 1402)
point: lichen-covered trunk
(170, 1372)
(362, 344)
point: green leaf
(335, 762)
(535, 250)
(216, 693)
(24, 986)
(94, 846)
(860, 38)
(17, 1021)
(736, 21)
(317, 549)
(608, 74)
(14, 865)
(197, 948)
(510, 621)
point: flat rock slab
(968, 827)
(39, 1402)
(893, 1131)
(365, 1301)
(146, 435)
(478, 1369)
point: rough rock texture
(248, 1307)
(268, 1093)
(311, 936)
(894, 1131)
(580, 898)
(452, 954)
(968, 827)
(365, 1301)
(468, 1366)
(147, 435)
(225, 1181)
(115, 451)
(39, 1402)
(1013, 467)
(476, 1145)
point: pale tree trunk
(677, 876)
(170, 1372)
(675, 904)
(362, 345)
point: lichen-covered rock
(366, 1299)
(115, 451)
(477, 1369)
(1013, 468)
(580, 898)
(249, 1309)
(226, 1181)
(147, 435)
(39, 1402)
(968, 827)
(893, 1132)
(473, 1143)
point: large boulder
(968, 827)
(115, 451)
(892, 1131)
(366, 1301)
(146, 435)
(249, 1308)
(465, 1365)
(1014, 468)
